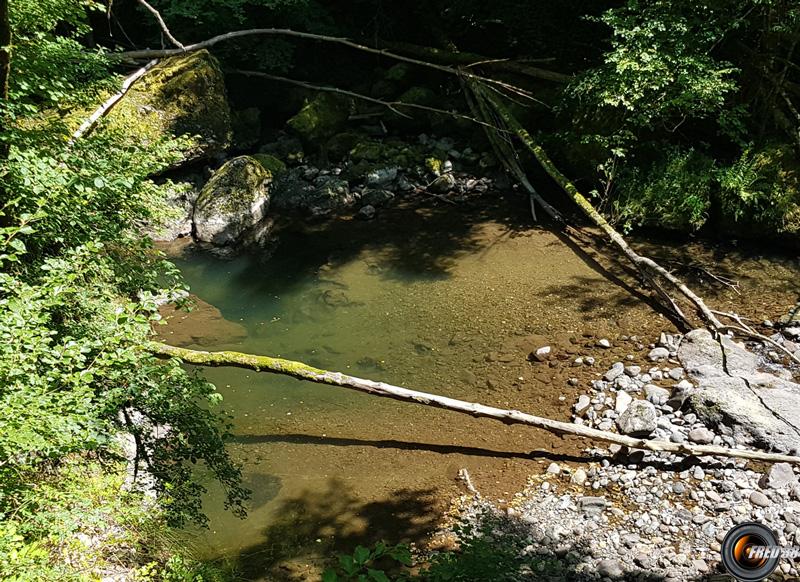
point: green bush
(674, 192)
(762, 189)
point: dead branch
(303, 371)
(391, 105)
(162, 24)
(161, 53)
(104, 109)
(453, 57)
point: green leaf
(329, 575)
(361, 555)
(378, 575)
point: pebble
(778, 476)
(701, 436)
(616, 370)
(657, 354)
(604, 343)
(759, 499)
(610, 568)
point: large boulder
(183, 96)
(733, 396)
(321, 118)
(175, 219)
(232, 203)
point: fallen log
(303, 371)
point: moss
(181, 96)
(434, 165)
(321, 118)
(233, 187)
(270, 163)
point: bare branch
(155, 53)
(391, 105)
(162, 24)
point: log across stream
(454, 298)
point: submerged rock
(181, 96)
(232, 203)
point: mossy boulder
(272, 164)
(322, 117)
(181, 96)
(232, 202)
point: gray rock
(676, 373)
(757, 408)
(656, 394)
(381, 176)
(778, 476)
(657, 354)
(233, 201)
(701, 435)
(639, 419)
(443, 184)
(376, 197)
(177, 221)
(578, 477)
(366, 212)
(604, 343)
(610, 568)
(633, 371)
(554, 469)
(327, 194)
(616, 370)
(622, 402)
(541, 354)
(582, 405)
(759, 499)
(592, 505)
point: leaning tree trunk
(303, 371)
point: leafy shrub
(673, 192)
(762, 188)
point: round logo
(750, 552)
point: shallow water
(438, 299)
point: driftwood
(303, 371)
(109, 103)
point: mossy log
(303, 371)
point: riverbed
(443, 299)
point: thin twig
(391, 105)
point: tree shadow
(313, 526)
(308, 439)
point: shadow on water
(308, 439)
(311, 527)
(410, 244)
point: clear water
(448, 301)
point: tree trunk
(303, 371)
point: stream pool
(438, 299)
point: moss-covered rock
(340, 145)
(181, 96)
(232, 202)
(321, 118)
(272, 164)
